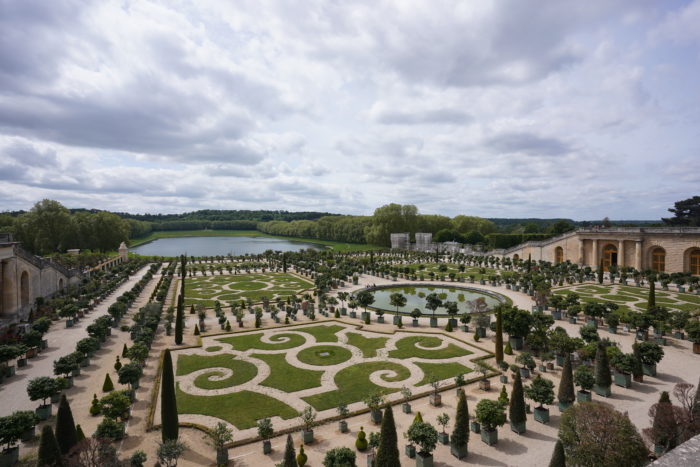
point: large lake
(214, 246)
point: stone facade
(665, 249)
(24, 277)
(401, 241)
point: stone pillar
(638, 255)
(594, 254)
(621, 253)
(581, 253)
(124, 252)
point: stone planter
(518, 428)
(406, 407)
(550, 366)
(453, 322)
(465, 328)
(21, 362)
(365, 315)
(396, 320)
(475, 427)
(660, 340)
(376, 416)
(267, 447)
(307, 436)
(679, 335)
(28, 435)
(435, 400)
(69, 323)
(484, 385)
(564, 405)
(516, 343)
(222, 456)
(542, 368)
(433, 322)
(424, 460)
(696, 347)
(504, 379)
(612, 330)
(592, 322)
(460, 452)
(9, 457)
(43, 412)
(556, 315)
(414, 323)
(572, 320)
(371, 461)
(524, 372)
(602, 390)
(444, 438)
(623, 379)
(85, 362)
(56, 398)
(649, 370)
(481, 332)
(583, 396)
(560, 360)
(69, 381)
(76, 372)
(489, 437)
(44, 344)
(343, 426)
(410, 451)
(542, 415)
(32, 352)
(353, 314)
(380, 319)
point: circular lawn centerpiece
(415, 298)
(324, 355)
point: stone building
(664, 249)
(401, 241)
(24, 277)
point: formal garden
(278, 373)
(227, 288)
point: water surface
(415, 298)
(214, 246)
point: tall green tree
(290, 455)
(516, 409)
(49, 453)
(558, 456)
(460, 434)
(603, 378)
(179, 319)
(168, 403)
(651, 301)
(66, 434)
(499, 334)
(566, 393)
(388, 452)
(686, 212)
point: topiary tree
(130, 374)
(168, 403)
(603, 378)
(516, 410)
(566, 393)
(424, 435)
(490, 414)
(388, 452)
(340, 457)
(179, 318)
(301, 457)
(584, 378)
(541, 390)
(290, 456)
(66, 435)
(460, 433)
(558, 456)
(170, 451)
(49, 453)
(361, 441)
(499, 334)
(115, 405)
(108, 385)
(42, 388)
(109, 429)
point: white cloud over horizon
(496, 108)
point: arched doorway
(658, 259)
(60, 284)
(558, 255)
(609, 256)
(695, 262)
(515, 258)
(24, 289)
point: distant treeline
(227, 215)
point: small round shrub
(361, 442)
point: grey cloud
(27, 154)
(527, 143)
(13, 173)
(417, 117)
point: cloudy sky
(492, 108)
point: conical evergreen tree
(79, 435)
(108, 385)
(66, 435)
(637, 369)
(651, 301)
(460, 434)
(168, 404)
(388, 452)
(192, 312)
(558, 457)
(125, 349)
(290, 455)
(566, 393)
(664, 424)
(179, 320)
(49, 452)
(516, 410)
(499, 335)
(600, 273)
(602, 367)
(196, 330)
(117, 364)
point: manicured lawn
(441, 371)
(323, 333)
(213, 348)
(354, 384)
(228, 407)
(242, 371)
(619, 298)
(206, 290)
(368, 345)
(252, 341)
(338, 246)
(286, 377)
(406, 348)
(324, 355)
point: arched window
(609, 256)
(695, 262)
(558, 255)
(658, 259)
(24, 289)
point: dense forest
(50, 227)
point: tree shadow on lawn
(511, 447)
(475, 459)
(541, 436)
(647, 387)
(669, 378)
(624, 397)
